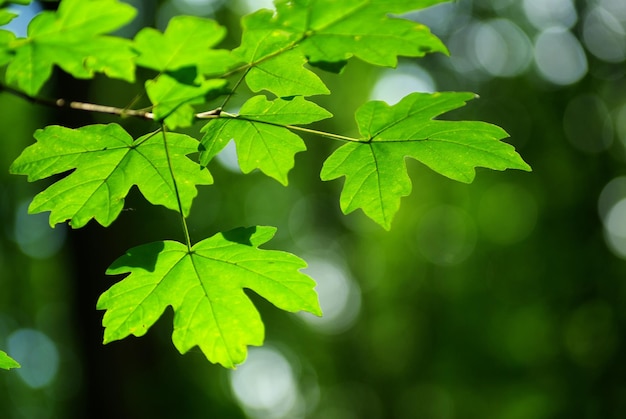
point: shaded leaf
(6, 54)
(6, 362)
(173, 100)
(205, 286)
(107, 164)
(374, 168)
(263, 142)
(73, 39)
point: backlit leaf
(276, 65)
(73, 39)
(6, 362)
(107, 163)
(262, 140)
(186, 42)
(374, 167)
(205, 287)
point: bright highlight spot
(502, 48)
(604, 35)
(228, 157)
(544, 14)
(560, 57)
(37, 354)
(339, 296)
(265, 384)
(393, 85)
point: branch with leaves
(279, 50)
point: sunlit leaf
(276, 64)
(107, 163)
(73, 39)
(205, 287)
(186, 42)
(6, 362)
(263, 142)
(374, 167)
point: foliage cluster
(193, 81)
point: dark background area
(500, 299)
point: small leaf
(6, 362)
(205, 286)
(276, 64)
(186, 42)
(374, 168)
(262, 143)
(173, 100)
(108, 163)
(6, 17)
(73, 39)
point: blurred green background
(500, 299)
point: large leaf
(6, 362)
(374, 167)
(205, 287)
(263, 142)
(73, 39)
(108, 163)
(334, 31)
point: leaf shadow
(144, 256)
(241, 235)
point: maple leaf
(186, 42)
(205, 287)
(276, 63)
(260, 133)
(334, 31)
(6, 362)
(73, 39)
(108, 163)
(173, 100)
(374, 167)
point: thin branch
(176, 191)
(143, 114)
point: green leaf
(6, 16)
(284, 75)
(6, 362)
(374, 168)
(108, 163)
(173, 100)
(6, 55)
(73, 39)
(186, 42)
(260, 133)
(276, 64)
(335, 31)
(205, 287)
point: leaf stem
(178, 201)
(322, 133)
